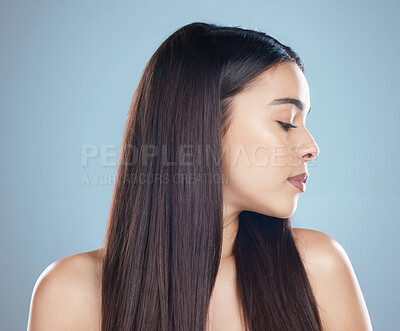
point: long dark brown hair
(163, 241)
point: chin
(285, 209)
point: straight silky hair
(163, 242)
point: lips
(301, 177)
(299, 181)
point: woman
(214, 159)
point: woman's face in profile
(259, 153)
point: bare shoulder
(66, 296)
(339, 297)
(315, 246)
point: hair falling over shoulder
(164, 237)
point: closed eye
(286, 126)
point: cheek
(263, 190)
(255, 167)
(258, 154)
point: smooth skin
(258, 157)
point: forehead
(285, 80)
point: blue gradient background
(68, 73)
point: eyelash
(286, 126)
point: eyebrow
(298, 103)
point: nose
(308, 151)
